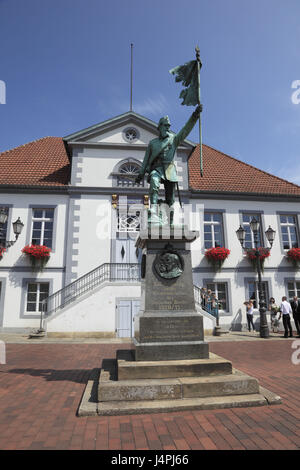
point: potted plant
(293, 255)
(216, 256)
(2, 250)
(263, 254)
(38, 255)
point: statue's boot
(153, 217)
(171, 216)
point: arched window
(126, 174)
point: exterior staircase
(100, 276)
(107, 272)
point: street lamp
(17, 228)
(270, 234)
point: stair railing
(110, 272)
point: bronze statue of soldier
(159, 164)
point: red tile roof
(222, 173)
(43, 162)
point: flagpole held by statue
(158, 161)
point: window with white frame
(127, 173)
(289, 231)
(129, 215)
(249, 236)
(221, 292)
(213, 229)
(42, 227)
(36, 293)
(254, 295)
(3, 231)
(293, 289)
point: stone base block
(171, 351)
(128, 369)
(185, 404)
(172, 389)
(152, 388)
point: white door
(126, 311)
(126, 253)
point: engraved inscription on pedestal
(170, 328)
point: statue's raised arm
(185, 131)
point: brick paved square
(41, 386)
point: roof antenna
(131, 46)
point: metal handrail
(111, 272)
(198, 300)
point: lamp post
(270, 234)
(17, 227)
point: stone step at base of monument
(170, 350)
(128, 369)
(180, 388)
(162, 406)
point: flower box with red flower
(217, 255)
(38, 255)
(251, 254)
(294, 255)
(2, 250)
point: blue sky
(66, 66)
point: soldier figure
(159, 163)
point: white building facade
(88, 210)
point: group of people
(209, 301)
(285, 310)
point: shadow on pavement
(71, 375)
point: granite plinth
(169, 327)
(171, 351)
(127, 387)
(171, 368)
(129, 369)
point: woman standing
(249, 311)
(208, 301)
(273, 309)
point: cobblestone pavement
(41, 386)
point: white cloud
(291, 174)
(153, 106)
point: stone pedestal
(168, 326)
(171, 368)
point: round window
(131, 134)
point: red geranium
(263, 253)
(217, 254)
(294, 254)
(38, 255)
(37, 251)
(2, 250)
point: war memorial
(170, 367)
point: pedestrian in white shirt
(285, 310)
(249, 312)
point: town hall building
(77, 196)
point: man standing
(285, 310)
(159, 163)
(295, 304)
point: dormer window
(127, 173)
